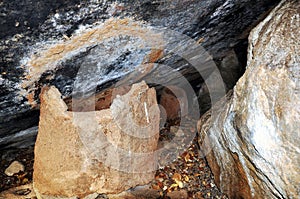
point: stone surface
(21, 139)
(174, 101)
(252, 138)
(29, 28)
(106, 151)
(14, 168)
(21, 192)
(140, 192)
(27, 191)
(182, 194)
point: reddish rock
(174, 101)
(97, 102)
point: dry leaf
(186, 178)
(160, 184)
(155, 187)
(180, 184)
(176, 176)
(173, 185)
(187, 157)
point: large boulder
(104, 151)
(252, 139)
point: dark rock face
(29, 26)
(21, 16)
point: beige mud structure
(67, 165)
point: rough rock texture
(29, 27)
(140, 192)
(175, 102)
(18, 192)
(106, 151)
(253, 139)
(14, 167)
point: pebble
(14, 167)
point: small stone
(14, 168)
(17, 24)
(165, 188)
